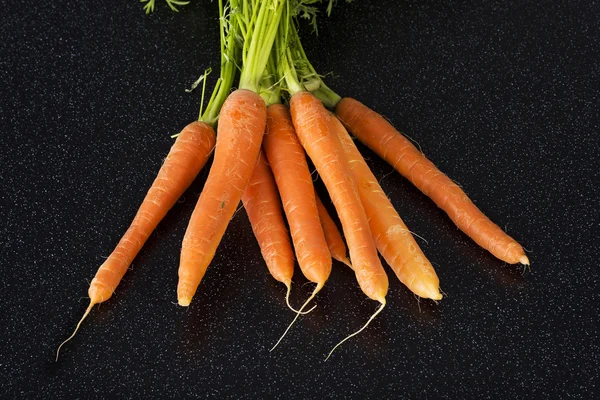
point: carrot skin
(381, 137)
(186, 158)
(239, 134)
(333, 237)
(294, 182)
(311, 121)
(263, 206)
(394, 240)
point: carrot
(381, 137)
(186, 158)
(242, 122)
(334, 239)
(239, 134)
(290, 169)
(311, 121)
(263, 206)
(393, 239)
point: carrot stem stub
(381, 137)
(240, 132)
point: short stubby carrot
(311, 121)
(290, 169)
(394, 241)
(381, 137)
(334, 239)
(186, 158)
(239, 134)
(263, 206)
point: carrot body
(290, 169)
(381, 137)
(263, 206)
(311, 121)
(394, 240)
(186, 158)
(334, 239)
(239, 135)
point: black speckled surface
(502, 95)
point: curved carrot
(263, 206)
(186, 158)
(311, 121)
(239, 135)
(334, 239)
(393, 239)
(381, 137)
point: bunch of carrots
(265, 129)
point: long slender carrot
(394, 240)
(263, 206)
(289, 166)
(381, 137)
(239, 135)
(334, 239)
(290, 169)
(186, 158)
(311, 121)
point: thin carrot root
(312, 296)
(76, 328)
(524, 260)
(360, 330)
(287, 301)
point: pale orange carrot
(381, 137)
(394, 241)
(239, 134)
(334, 239)
(186, 158)
(263, 206)
(311, 121)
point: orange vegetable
(334, 239)
(239, 135)
(263, 206)
(312, 123)
(186, 158)
(381, 137)
(393, 239)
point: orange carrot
(334, 239)
(289, 166)
(263, 206)
(312, 123)
(290, 169)
(239, 134)
(186, 158)
(393, 239)
(381, 137)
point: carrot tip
(524, 260)
(184, 302)
(347, 262)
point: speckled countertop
(502, 95)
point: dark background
(501, 95)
